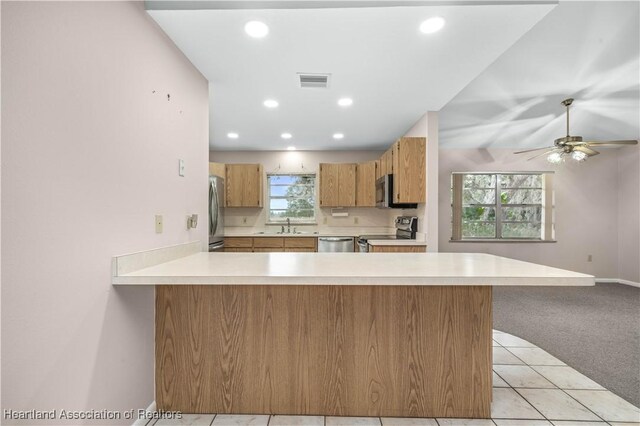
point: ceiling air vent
(313, 81)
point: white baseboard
(150, 409)
(618, 281)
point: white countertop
(351, 269)
(398, 242)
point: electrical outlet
(355, 220)
(589, 258)
(324, 221)
(158, 224)
(181, 167)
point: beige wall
(89, 156)
(293, 161)
(629, 214)
(586, 209)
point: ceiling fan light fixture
(555, 158)
(579, 155)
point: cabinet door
(366, 184)
(409, 165)
(238, 242)
(329, 175)
(347, 185)
(243, 185)
(397, 249)
(386, 162)
(217, 169)
(252, 187)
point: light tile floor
(531, 388)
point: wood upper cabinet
(243, 185)
(337, 185)
(217, 169)
(409, 170)
(366, 184)
(386, 163)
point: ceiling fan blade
(544, 153)
(605, 143)
(531, 150)
(583, 148)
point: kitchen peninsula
(348, 334)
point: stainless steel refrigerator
(216, 217)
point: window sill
(494, 240)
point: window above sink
(291, 198)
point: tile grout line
(534, 407)
(587, 408)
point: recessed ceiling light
(232, 135)
(432, 25)
(286, 136)
(271, 103)
(291, 148)
(338, 135)
(345, 102)
(256, 29)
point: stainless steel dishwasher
(335, 245)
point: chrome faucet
(288, 225)
(282, 229)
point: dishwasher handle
(335, 239)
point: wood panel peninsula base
(344, 350)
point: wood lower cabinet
(243, 185)
(270, 244)
(397, 249)
(366, 184)
(334, 350)
(238, 242)
(337, 184)
(301, 244)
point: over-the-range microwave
(384, 195)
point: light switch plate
(181, 167)
(158, 224)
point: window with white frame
(291, 196)
(502, 206)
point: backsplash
(367, 218)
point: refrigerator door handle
(213, 208)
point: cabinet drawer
(238, 250)
(300, 250)
(300, 242)
(268, 242)
(268, 250)
(397, 249)
(236, 242)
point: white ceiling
(586, 50)
(375, 55)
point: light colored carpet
(595, 330)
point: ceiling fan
(572, 146)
